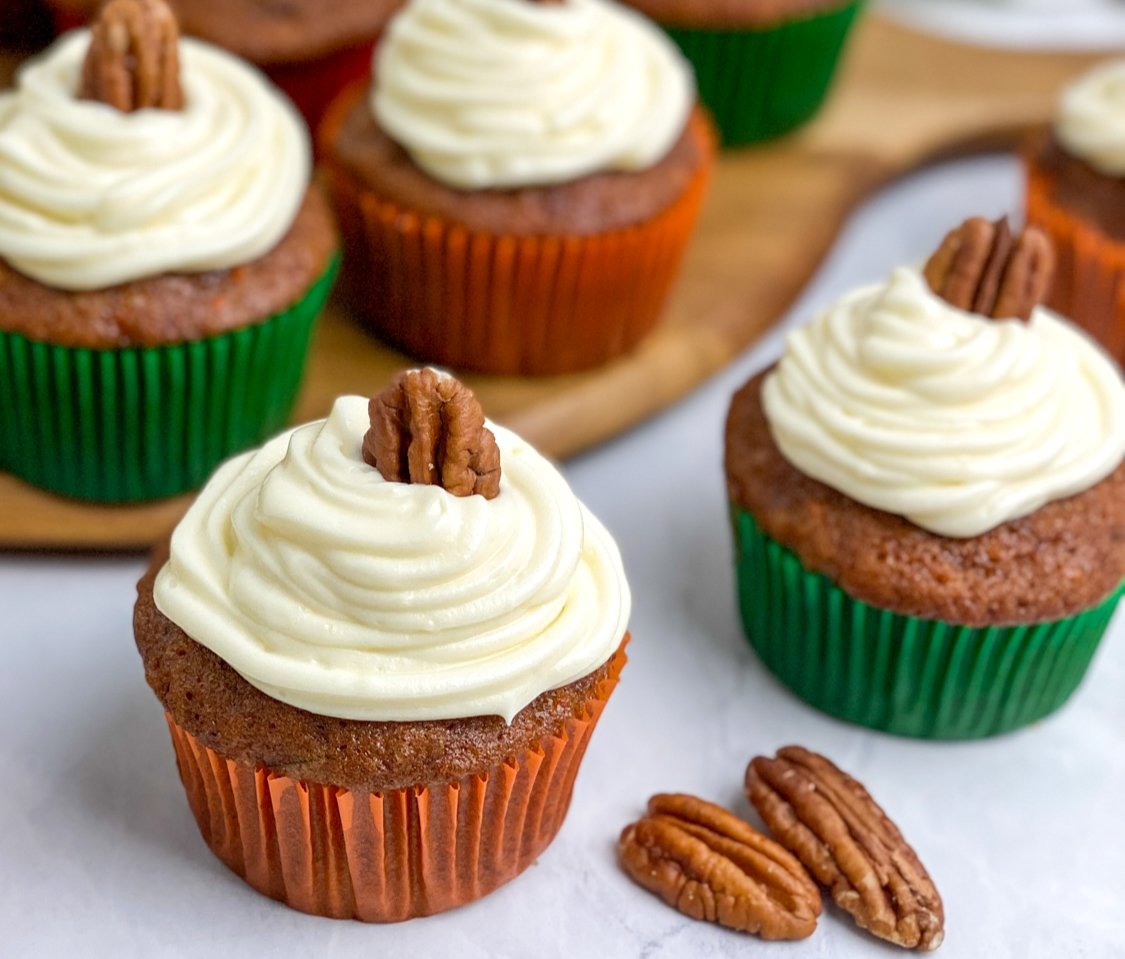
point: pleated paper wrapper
(392, 855)
(902, 674)
(140, 423)
(505, 303)
(1089, 285)
(762, 82)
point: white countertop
(1024, 835)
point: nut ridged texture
(710, 865)
(133, 59)
(982, 267)
(427, 428)
(840, 833)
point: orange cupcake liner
(1089, 285)
(391, 855)
(507, 303)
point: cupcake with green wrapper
(163, 258)
(928, 497)
(763, 68)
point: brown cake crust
(731, 14)
(215, 704)
(290, 31)
(1065, 557)
(592, 204)
(1095, 197)
(174, 308)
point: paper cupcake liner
(392, 855)
(124, 425)
(504, 303)
(760, 83)
(901, 674)
(1089, 286)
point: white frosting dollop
(333, 590)
(957, 422)
(1090, 122)
(91, 197)
(508, 93)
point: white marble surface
(1024, 834)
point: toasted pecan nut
(133, 60)
(981, 267)
(709, 864)
(428, 428)
(849, 845)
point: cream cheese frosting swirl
(91, 197)
(507, 93)
(957, 422)
(1091, 118)
(336, 591)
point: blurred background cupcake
(162, 259)
(382, 642)
(517, 186)
(309, 48)
(763, 66)
(928, 497)
(1076, 193)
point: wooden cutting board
(902, 100)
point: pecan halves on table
(981, 267)
(133, 59)
(848, 844)
(428, 428)
(709, 864)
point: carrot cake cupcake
(517, 185)
(1076, 193)
(928, 497)
(764, 66)
(163, 256)
(382, 642)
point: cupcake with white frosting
(517, 184)
(385, 637)
(163, 257)
(1076, 193)
(929, 502)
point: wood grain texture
(902, 100)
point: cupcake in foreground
(518, 185)
(763, 68)
(310, 48)
(163, 257)
(1076, 193)
(382, 642)
(929, 503)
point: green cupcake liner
(760, 83)
(901, 674)
(124, 425)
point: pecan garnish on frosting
(849, 845)
(709, 864)
(133, 60)
(980, 266)
(428, 428)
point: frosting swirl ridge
(1090, 122)
(506, 93)
(957, 422)
(336, 591)
(91, 197)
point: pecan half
(133, 59)
(849, 845)
(981, 267)
(709, 864)
(428, 428)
